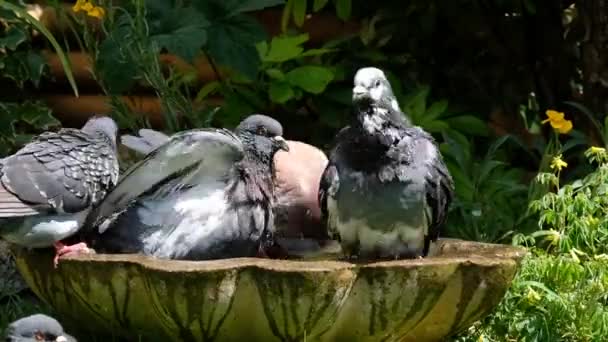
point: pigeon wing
(65, 171)
(212, 151)
(426, 159)
(147, 141)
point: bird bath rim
(442, 251)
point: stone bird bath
(142, 299)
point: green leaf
(286, 15)
(65, 63)
(316, 52)
(262, 48)
(116, 67)
(436, 109)
(275, 74)
(434, 126)
(462, 183)
(241, 6)
(180, 30)
(299, 12)
(185, 42)
(35, 64)
(319, 5)
(415, 102)
(231, 42)
(486, 168)
(313, 79)
(207, 89)
(281, 92)
(13, 38)
(37, 115)
(285, 48)
(343, 9)
(233, 109)
(468, 124)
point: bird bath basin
(250, 299)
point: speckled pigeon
(48, 187)
(37, 328)
(204, 194)
(297, 176)
(386, 189)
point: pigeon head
(262, 137)
(37, 328)
(261, 125)
(373, 88)
(104, 125)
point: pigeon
(37, 328)
(386, 190)
(203, 194)
(48, 187)
(297, 176)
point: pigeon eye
(262, 130)
(377, 84)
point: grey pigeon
(386, 190)
(203, 194)
(298, 172)
(48, 187)
(37, 328)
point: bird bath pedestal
(249, 299)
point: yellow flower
(532, 296)
(97, 12)
(79, 6)
(564, 127)
(558, 164)
(87, 6)
(554, 116)
(558, 122)
(597, 150)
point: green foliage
(22, 63)
(573, 218)
(436, 117)
(19, 122)
(18, 61)
(297, 10)
(554, 298)
(288, 75)
(491, 197)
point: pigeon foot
(62, 250)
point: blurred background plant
(515, 93)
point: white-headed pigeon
(386, 189)
(297, 176)
(37, 328)
(48, 187)
(203, 194)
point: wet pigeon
(386, 189)
(37, 328)
(204, 194)
(48, 187)
(297, 176)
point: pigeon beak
(61, 339)
(359, 91)
(281, 143)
